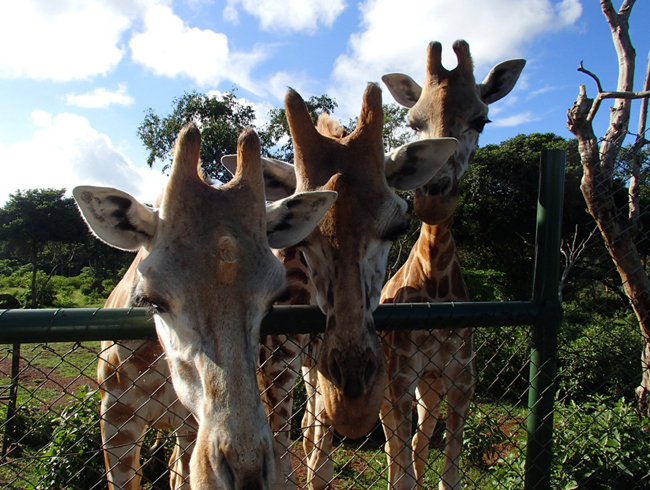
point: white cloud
(63, 40)
(512, 121)
(287, 15)
(170, 48)
(66, 151)
(394, 39)
(100, 98)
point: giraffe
(429, 366)
(136, 392)
(359, 171)
(206, 272)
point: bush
(600, 445)
(599, 358)
(73, 457)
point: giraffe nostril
(334, 369)
(369, 371)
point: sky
(77, 76)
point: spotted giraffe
(430, 366)
(207, 323)
(344, 260)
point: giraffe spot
(443, 287)
(458, 288)
(432, 288)
(297, 275)
(445, 258)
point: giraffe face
(450, 104)
(208, 278)
(347, 253)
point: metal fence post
(543, 358)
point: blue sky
(77, 76)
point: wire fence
(600, 441)
(52, 436)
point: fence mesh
(54, 441)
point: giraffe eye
(155, 306)
(479, 123)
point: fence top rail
(88, 324)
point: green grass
(65, 358)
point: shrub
(73, 458)
(600, 445)
(599, 358)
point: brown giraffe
(128, 373)
(207, 273)
(429, 366)
(361, 174)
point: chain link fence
(52, 437)
(54, 440)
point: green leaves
(220, 119)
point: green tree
(494, 224)
(396, 130)
(275, 135)
(220, 118)
(41, 225)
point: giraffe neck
(300, 288)
(432, 271)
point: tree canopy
(220, 119)
(275, 135)
(37, 224)
(494, 224)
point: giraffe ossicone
(206, 271)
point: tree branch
(596, 79)
(634, 192)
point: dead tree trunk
(618, 228)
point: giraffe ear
(116, 217)
(290, 220)
(404, 89)
(279, 176)
(501, 80)
(414, 164)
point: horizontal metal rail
(87, 324)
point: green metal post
(543, 358)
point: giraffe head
(208, 277)
(347, 253)
(450, 104)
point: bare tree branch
(592, 75)
(572, 252)
(635, 163)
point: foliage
(483, 435)
(396, 132)
(73, 456)
(598, 355)
(600, 445)
(275, 135)
(502, 356)
(494, 224)
(220, 119)
(38, 225)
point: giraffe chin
(352, 417)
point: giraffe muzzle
(352, 375)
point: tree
(494, 223)
(220, 118)
(618, 225)
(275, 136)
(41, 224)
